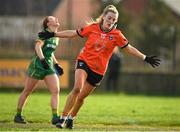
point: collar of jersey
(105, 30)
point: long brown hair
(45, 21)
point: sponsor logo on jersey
(51, 46)
(103, 36)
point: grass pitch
(101, 112)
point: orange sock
(65, 113)
(73, 114)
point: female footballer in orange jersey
(102, 38)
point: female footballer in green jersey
(43, 66)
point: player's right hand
(44, 63)
(45, 35)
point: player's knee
(55, 91)
(76, 90)
(26, 92)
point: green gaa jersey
(36, 69)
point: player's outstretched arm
(66, 34)
(62, 34)
(152, 60)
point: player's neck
(105, 30)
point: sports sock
(19, 111)
(71, 117)
(65, 114)
(54, 113)
(63, 117)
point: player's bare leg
(86, 90)
(29, 86)
(80, 77)
(52, 82)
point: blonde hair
(109, 8)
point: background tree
(159, 27)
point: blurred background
(152, 26)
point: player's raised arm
(152, 60)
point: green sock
(19, 111)
(54, 113)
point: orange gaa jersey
(99, 46)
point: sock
(65, 114)
(19, 111)
(71, 117)
(63, 117)
(54, 113)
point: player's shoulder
(96, 24)
(39, 41)
(92, 25)
(117, 31)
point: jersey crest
(111, 37)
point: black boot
(19, 119)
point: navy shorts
(92, 78)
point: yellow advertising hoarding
(13, 73)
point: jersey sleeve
(84, 32)
(39, 39)
(121, 40)
(39, 42)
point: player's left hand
(153, 60)
(59, 69)
(45, 35)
